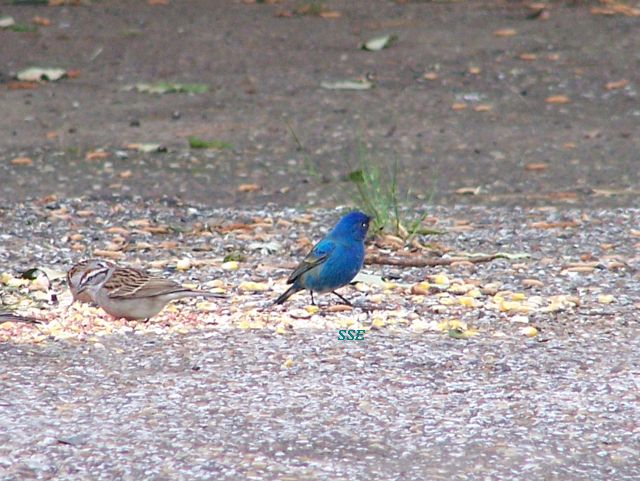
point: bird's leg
(313, 303)
(343, 299)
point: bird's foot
(343, 299)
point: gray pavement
(223, 405)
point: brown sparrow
(78, 270)
(132, 293)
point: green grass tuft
(313, 8)
(378, 195)
(309, 164)
(23, 27)
(197, 143)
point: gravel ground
(242, 391)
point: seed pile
(554, 270)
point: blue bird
(334, 261)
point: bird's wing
(140, 286)
(317, 256)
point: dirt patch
(264, 71)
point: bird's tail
(189, 293)
(287, 294)
(218, 295)
(10, 317)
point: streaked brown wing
(135, 283)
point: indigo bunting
(334, 261)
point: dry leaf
(288, 363)
(233, 227)
(59, 3)
(160, 229)
(420, 289)
(563, 195)
(483, 108)
(117, 245)
(430, 76)
(330, 14)
(468, 191)
(47, 199)
(618, 84)
(579, 269)
(183, 264)
(356, 84)
(554, 225)
(230, 266)
(339, 308)
(126, 174)
(42, 21)
(615, 265)
(593, 134)
(118, 230)
(505, 32)
(248, 187)
(18, 85)
(557, 99)
(108, 254)
(606, 299)
(536, 166)
(612, 8)
(22, 161)
(459, 106)
(474, 70)
(249, 286)
(139, 222)
(41, 74)
(528, 56)
(529, 283)
(7, 21)
(602, 11)
(96, 155)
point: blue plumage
(334, 261)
